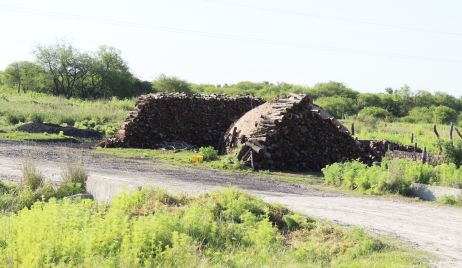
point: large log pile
(163, 118)
(290, 134)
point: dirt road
(434, 229)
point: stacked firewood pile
(197, 120)
(290, 134)
(374, 151)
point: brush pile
(197, 120)
(290, 134)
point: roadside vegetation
(34, 187)
(149, 228)
(392, 176)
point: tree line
(63, 70)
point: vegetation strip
(149, 228)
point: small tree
(171, 84)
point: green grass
(39, 137)
(101, 115)
(149, 228)
(401, 133)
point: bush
(448, 200)
(444, 115)
(339, 107)
(75, 173)
(67, 188)
(31, 177)
(372, 113)
(208, 153)
(393, 176)
(35, 117)
(419, 115)
(453, 153)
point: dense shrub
(372, 113)
(31, 177)
(75, 173)
(208, 153)
(393, 176)
(453, 152)
(339, 107)
(444, 115)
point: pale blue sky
(368, 45)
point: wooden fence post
(451, 132)
(440, 149)
(424, 155)
(458, 133)
(353, 128)
(412, 138)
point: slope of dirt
(428, 227)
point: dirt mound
(290, 134)
(199, 120)
(55, 129)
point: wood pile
(290, 134)
(197, 120)
(374, 151)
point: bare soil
(436, 229)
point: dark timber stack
(374, 151)
(290, 134)
(198, 120)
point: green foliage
(71, 73)
(339, 107)
(332, 89)
(67, 188)
(419, 115)
(453, 152)
(33, 188)
(148, 228)
(31, 177)
(103, 116)
(75, 173)
(449, 200)
(370, 114)
(209, 153)
(170, 84)
(394, 176)
(444, 115)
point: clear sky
(368, 45)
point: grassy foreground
(149, 228)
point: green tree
(368, 100)
(171, 84)
(65, 64)
(444, 115)
(339, 107)
(332, 89)
(25, 75)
